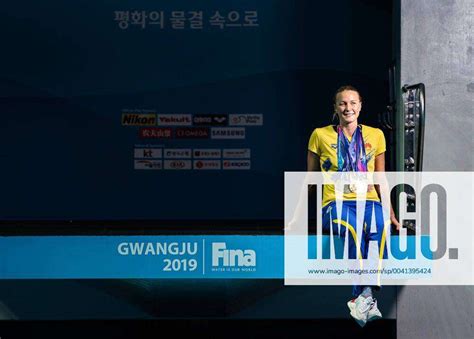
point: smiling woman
(350, 147)
(347, 104)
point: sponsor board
(147, 153)
(227, 133)
(155, 133)
(210, 120)
(174, 119)
(245, 119)
(207, 153)
(192, 133)
(177, 153)
(207, 164)
(177, 164)
(135, 119)
(236, 153)
(148, 164)
(236, 164)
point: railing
(414, 120)
(414, 117)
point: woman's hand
(394, 221)
(380, 167)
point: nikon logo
(221, 256)
(131, 119)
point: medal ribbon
(351, 155)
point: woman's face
(347, 106)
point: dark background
(68, 70)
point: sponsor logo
(236, 153)
(177, 153)
(221, 256)
(227, 133)
(234, 164)
(207, 164)
(177, 164)
(133, 119)
(147, 153)
(210, 120)
(206, 153)
(174, 119)
(148, 164)
(148, 146)
(155, 133)
(245, 119)
(192, 133)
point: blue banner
(121, 257)
(63, 257)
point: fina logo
(231, 258)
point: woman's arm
(313, 166)
(313, 162)
(380, 167)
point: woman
(350, 147)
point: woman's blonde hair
(347, 88)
